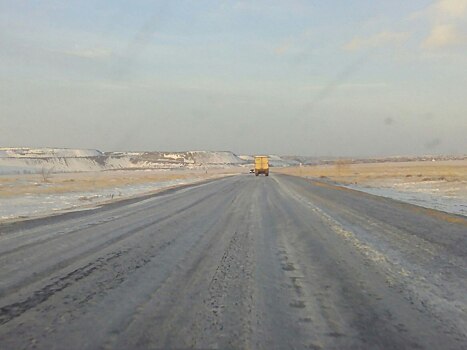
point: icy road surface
(242, 262)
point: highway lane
(242, 262)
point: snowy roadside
(439, 185)
(431, 194)
(37, 205)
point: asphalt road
(242, 262)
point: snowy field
(430, 194)
(32, 205)
(440, 185)
(28, 196)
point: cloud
(295, 44)
(448, 19)
(452, 8)
(282, 49)
(378, 40)
(89, 53)
(443, 10)
(269, 7)
(444, 35)
(348, 86)
(434, 143)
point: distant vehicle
(252, 171)
(261, 165)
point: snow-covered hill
(31, 161)
(25, 152)
(274, 160)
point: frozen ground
(49, 198)
(31, 205)
(440, 185)
(432, 194)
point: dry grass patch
(447, 171)
(87, 182)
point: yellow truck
(261, 165)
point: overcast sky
(361, 78)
